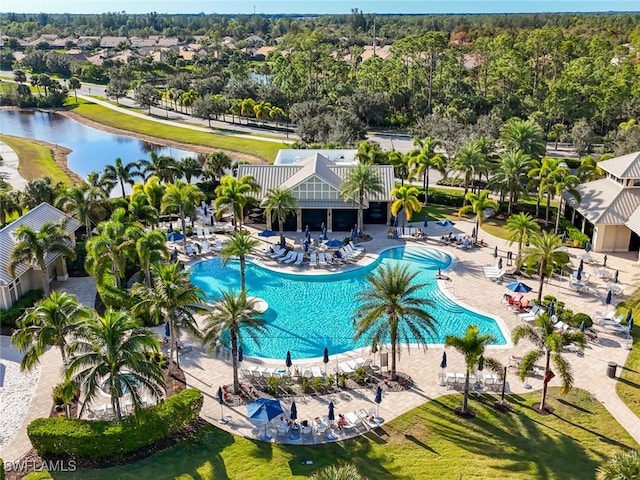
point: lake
(92, 148)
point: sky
(320, 7)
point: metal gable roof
(625, 166)
(317, 165)
(35, 219)
(597, 197)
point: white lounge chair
(289, 256)
(278, 252)
(218, 246)
(200, 232)
(292, 258)
(316, 372)
(300, 258)
(344, 367)
(321, 259)
(495, 276)
(313, 260)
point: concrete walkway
(469, 287)
(9, 167)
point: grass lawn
(36, 160)
(429, 442)
(628, 385)
(435, 212)
(106, 116)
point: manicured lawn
(106, 116)
(429, 442)
(435, 212)
(36, 160)
(628, 385)
(495, 227)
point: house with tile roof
(315, 177)
(609, 210)
(29, 277)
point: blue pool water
(307, 313)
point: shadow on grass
(419, 443)
(573, 405)
(628, 382)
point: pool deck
(467, 284)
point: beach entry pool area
(308, 312)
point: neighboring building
(28, 277)
(315, 178)
(609, 211)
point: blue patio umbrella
(446, 223)
(579, 275)
(608, 299)
(167, 329)
(264, 410)
(240, 354)
(332, 414)
(564, 236)
(552, 309)
(581, 327)
(587, 247)
(288, 361)
(495, 252)
(443, 362)
(293, 414)
(518, 287)
(212, 221)
(615, 277)
(378, 400)
(267, 233)
(426, 222)
(481, 363)
(581, 266)
(325, 358)
(175, 236)
(334, 243)
(221, 402)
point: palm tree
(84, 202)
(122, 173)
(74, 84)
(235, 193)
(216, 164)
(9, 204)
(162, 166)
(472, 346)
(400, 164)
(107, 252)
(478, 204)
(371, 152)
(172, 298)
(466, 164)
(361, 182)
(280, 202)
(139, 208)
(424, 158)
(589, 169)
(525, 136)
(50, 322)
(622, 466)
(151, 247)
(182, 197)
(548, 343)
(511, 174)
(348, 471)
(32, 248)
(240, 245)
(560, 183)
(190, 167)
(546, 254)
(110, 353)
(236, 314)
(542, 174)
(521, 226)
(406, 200)
(392, 310)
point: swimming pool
(308, 312)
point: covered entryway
(376, 214)
(290, 224)
(314, 218)
(344, 220)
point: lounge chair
(321, 259)
(344, 367)
(189, 251)
(278, 251)
(200, 232)
(296, 256)
(299, 259)
(313, 260)
(316, 372)
(535, 312)
(495, 276)
(218, 246)
(289, 256)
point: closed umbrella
(481, 363)
(581, 266)
(615, 277)
(306, 246)
(604, 262)
(355, 230)
(240, 354)
(212, 221)
(564, 236)
(579, 275)
(167, 330)
(332, 414)
(283, 242)
(426, 223)
(325, 359)
(608, 299)
(264, 410)
(221, 402)
(630, 325)
(306, 230)
(500, 263)
(582, 326)
(587, 247)
(170, 229)
(443, 366)
(378, 400)
(552, 309)
(629, 317)
(473, 232)
(495, 252)
(293, 415)
(288, 361)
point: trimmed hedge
(100, 439)
(8, 318)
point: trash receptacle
(611, 369)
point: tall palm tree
(472, 346)
(542, 173)
(8, 204)
(548, 343)
(121, 173)
(525, 136)
(280, 202)
(511, 174)
(110, 354)
(466, 164)
(361, 182)
(400, 164)
(235, 193)
(172, 298)
(347, 471)
(236, 314)
(85, 202)
(164, 167)
(239, 245)
(546, 254)
(560, 183)
(151, 247)
(622, 466)
(478, 204)
(216, 164)
(392, 310)
(371, 152)
(589, 169)
(190, 167)
(139, 208)
(406, 200)
(521, 226)
(424, 158)
(32, 248)
(182, 197)
(50, 322)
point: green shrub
(273, 384)
(578, 318)
(38, 476)
(8, 318)
(64, 392)
(99, 439)
(360, 374)
(75, 267)
(304, 384)
(318, 384)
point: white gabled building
(28, 277)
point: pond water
(92, 149)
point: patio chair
(278, 252)
(289, 256)
(313, 260)
(321, 259)
(298, 259)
